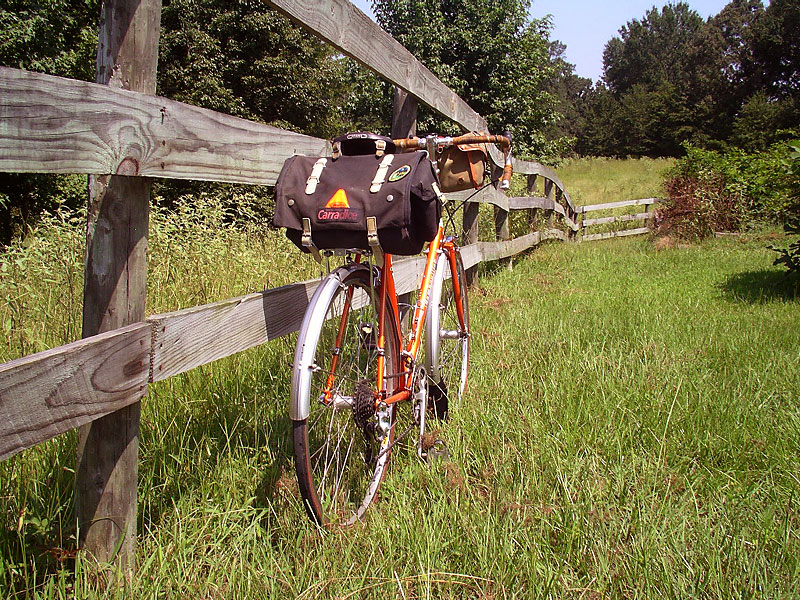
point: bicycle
(353, 366)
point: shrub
(711, 191)
(790, 256)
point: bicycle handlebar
(433, 142)
(416, 143)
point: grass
(630, 429)
(601, 180)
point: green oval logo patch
(400, 173)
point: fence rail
(55, 125)
(645, 216)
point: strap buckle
(372, 240)
(306, 241)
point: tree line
(670, 77)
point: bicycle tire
(446, 341)
(340, 467)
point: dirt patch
(664, 243)
(542, 280)
(455, 478)
(499, 302)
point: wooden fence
(644, 217)
(121, 135)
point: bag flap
(482, 148)
(341, 197)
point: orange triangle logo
(338, 200)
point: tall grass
(630, 429)
(601, 180)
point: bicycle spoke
(336, 461)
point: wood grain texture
(620, 218)
(345, 27)
(196, 336)
(486, 251)
(487, 194)
(504, 249)
(537, 202)
(613, 234)
(46, 394)
(55, 125)
(620, 204)
(189, 338)
(115, 284)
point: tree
(244, 59)
(651, 51)
(570, 91)
(647, 70)
(776, 49)
(58, 37)
(489, 52)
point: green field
(601, 180)
(630, 430)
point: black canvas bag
(336, 196)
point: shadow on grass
(762, 286)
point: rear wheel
(341, 448)
(447, 335)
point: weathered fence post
(404, 124)
(501, 216)
(584, 226)
(114, 291)
(575, 216)
(549, 194)
(404, 114)
(530, 190)
(469, 234)
(559, 198)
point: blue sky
(586, 25)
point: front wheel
(342, 445)
(447, 333)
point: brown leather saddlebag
(462, 167)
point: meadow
(630, 429)
(601, 180)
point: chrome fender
(304, 363)
(432, 319)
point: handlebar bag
(337, 195)
(462, 167)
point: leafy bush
(790, 256)
(712, 191)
